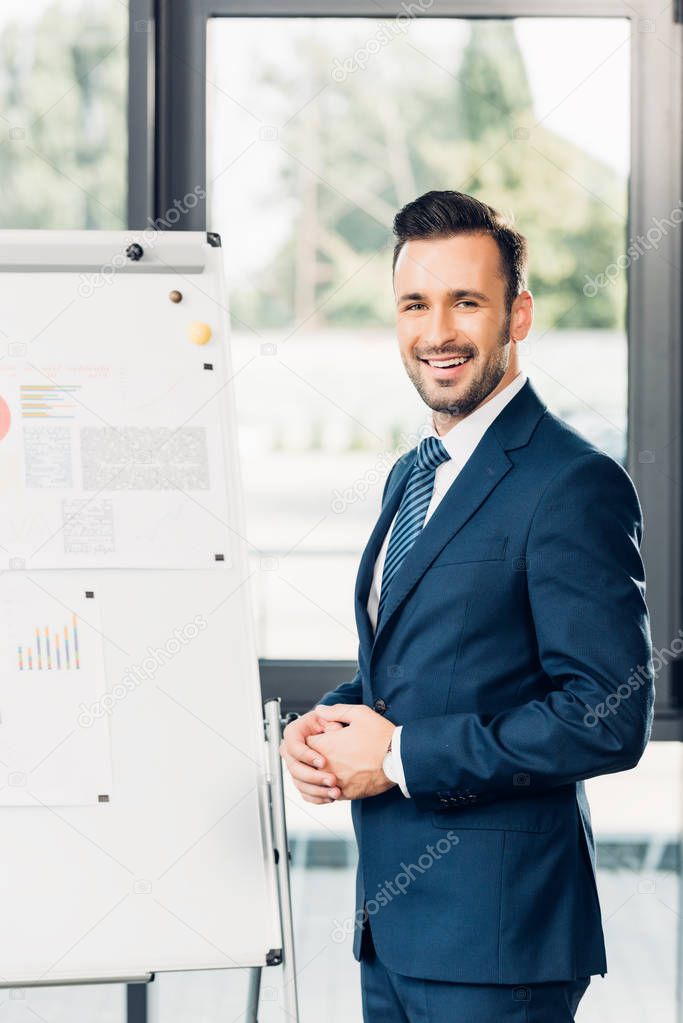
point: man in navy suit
(504, 657)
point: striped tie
(411, 513)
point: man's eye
(421, 305)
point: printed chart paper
(109, 465)
(54, 743)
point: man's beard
(479, 388)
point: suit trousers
(390, 997)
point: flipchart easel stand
(273, 725)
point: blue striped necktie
(413, 508)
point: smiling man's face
(450, 305)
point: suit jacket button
(380, 706)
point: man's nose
(440, 327)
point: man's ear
(522, 316)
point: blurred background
(307, 126)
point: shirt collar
(462, 438)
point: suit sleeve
(346, 692)
(586, 589)
(352, 692)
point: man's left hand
(355, 753)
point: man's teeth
(451, 362)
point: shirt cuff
(397, 762)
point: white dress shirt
(460, 442)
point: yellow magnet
(199, 333)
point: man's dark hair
(443, 214)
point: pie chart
(5, 418)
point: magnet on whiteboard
(199, 333)
(175, 296)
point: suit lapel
(480, 475)
(473, 484)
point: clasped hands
(337, 752)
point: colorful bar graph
(73, 622)
(47, 401)
(65, 648)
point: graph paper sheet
(54, 731)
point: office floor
(640, 929)
(640, 919)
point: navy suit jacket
(515, 650)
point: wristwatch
(388, 765)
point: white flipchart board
(135, 835)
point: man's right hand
(306, 765)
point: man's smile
(448, 368)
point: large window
(318, 130)
(63, 97)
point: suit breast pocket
(482, 548)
